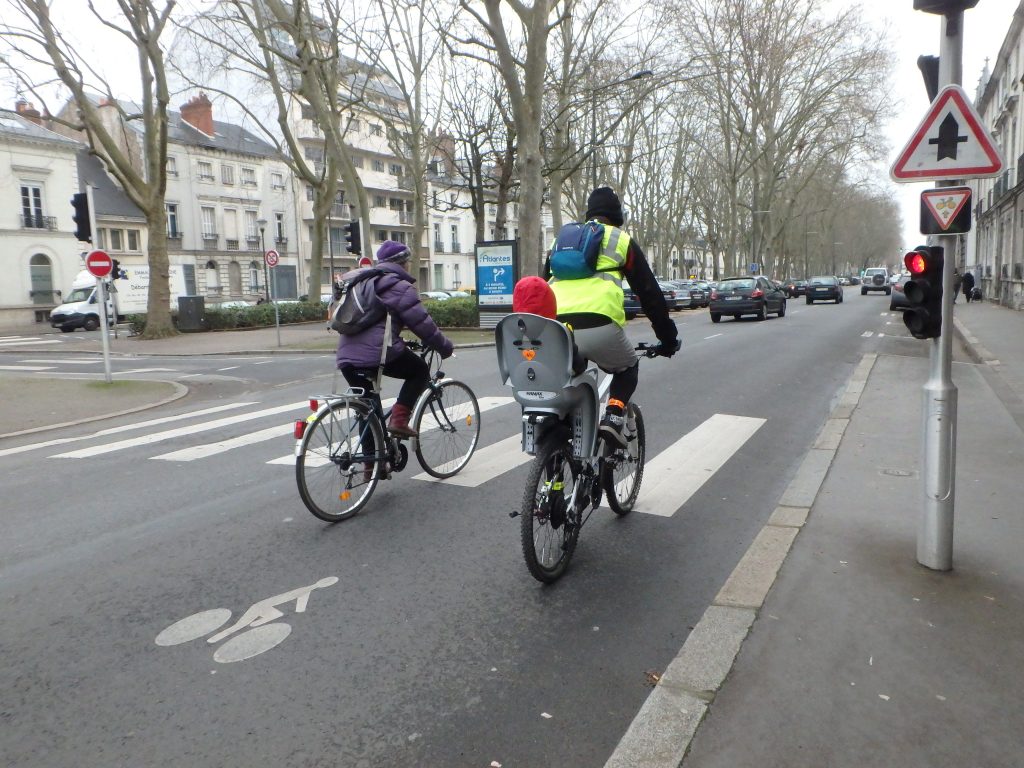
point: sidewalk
(861, 657)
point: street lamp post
(593, 117)
(262, 224)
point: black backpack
(359, 307)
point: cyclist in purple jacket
(359, 355)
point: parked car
(698, 294)
(824, 288)
(434, 295)
(458, 294)
(739, 296)
(876, 279)
(898, 299)
(629, 301)
(689, 297)
(794, 287)
(844, 280)
(705, 286)
(674, 297)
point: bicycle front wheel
(448, 423)
(624, 467)
(549, 529)
(339, 461)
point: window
(377, 165)
(205, 171)
(455, 239)
(380, 235)
(279, 228)
(438, 245)
(379, 201)
(396, 204)
(133, 240)
(227, 174)
(398, 236)
(172, 166)
(252, 229)
(456, 278)
(277, 180)
(313, 153)
(116, 240)
(248, 177)
(355, 126)
(395, 169)
(209, 215)
(231, 229)
(376, 129)
(308, 113)
(337, 240)
(254, 277)
(357, 162)
(32, 205)
(172, 220)
(101, 238)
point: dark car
(630, 303)
(794, 287)
(824, 288)
(675, 298)
(898, 299)
(738, 296)
(688, 294)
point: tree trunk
(158, 302)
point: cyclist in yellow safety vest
(593, 307)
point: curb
(180, 390)
(662, 731)
(239, 353)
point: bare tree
(133, 146)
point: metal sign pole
(935, 529)
(101, 296)
(277, 316)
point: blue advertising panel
(495, 273)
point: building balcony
(231, 245)
(252, 242)
(281, 242)
(438, 246)
(211, 241)
(405, 217)
(38, 221)
(456, 248)
(404, 182)
(175, 234)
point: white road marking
(880, 335)
(211, 449)
(157, 437)
(229, 368)
(487, 463)
(712, 336)
(26, 367)
(90, 361)
(868, 334)
(125, 428)
(679, 471)
(28, 343)
(146, 370)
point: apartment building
(995, 246)
(38, 176)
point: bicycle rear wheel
(448, 423)
(624, 468)
(340, 460)
(549, 529)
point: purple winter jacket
(397, 291)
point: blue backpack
(574, 254)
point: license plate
(733, 298)
(821, 289)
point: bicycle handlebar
(649, 350)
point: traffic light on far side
(923, 290)
(83, 229)
(115, 271)
(353, 241)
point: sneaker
(612, 425)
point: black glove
(667, 349)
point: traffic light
(944, 7)
(929, 66)
(115, 272)
(923, 290)
(83, 229)
(353, 243)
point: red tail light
(757, 293)
(314, 406)
(300, 429)
(714, 294)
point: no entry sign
(99, 263)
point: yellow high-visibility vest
(602, 292)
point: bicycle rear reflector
(300, 429)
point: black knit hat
(605, 203)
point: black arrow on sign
(949, 137)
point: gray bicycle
(572, 466)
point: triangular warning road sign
(950, 143)
(944, 204)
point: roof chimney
(28, 111)
(198, 112)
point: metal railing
(231, 245)
(405, 217)
(438, 246)
(38, 221)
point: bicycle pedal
(514, 513)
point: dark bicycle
(343, 449)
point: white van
(80, 308)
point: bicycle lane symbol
(261, 630)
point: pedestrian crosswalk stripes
(671, 478)
(678, 472)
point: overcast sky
(914, 33)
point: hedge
(453, 313)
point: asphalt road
(422, 640)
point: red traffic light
(916, 263)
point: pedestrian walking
(957, 281)
(968, 286)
